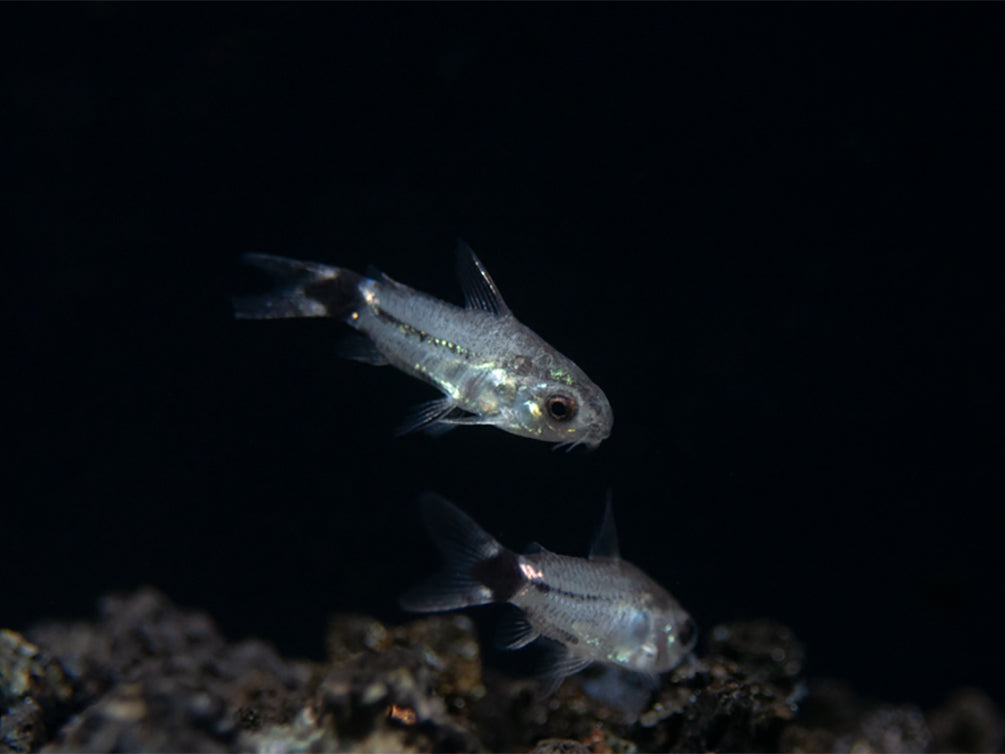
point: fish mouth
(590, 440)
(597, 433)
(596, 437)
(602, 420)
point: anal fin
(438, 416)
(360, 348)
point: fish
(599, 610)
(492, 369)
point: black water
(770, 233)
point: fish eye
(561, 408)
(686, 632)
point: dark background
(770, 233)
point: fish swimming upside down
(492, 369)
(596, 610)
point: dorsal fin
(479, 290)
(605, 545)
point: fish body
(491, 368)
(599, 609)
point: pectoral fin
(441, 415)
(428, 417)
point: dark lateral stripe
(546, 588)
(422, 335)
(501, 574)
(569, 638)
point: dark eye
(687, 632)
(561, 408)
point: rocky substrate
(150, 676)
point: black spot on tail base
(340, 295)
(501, 574)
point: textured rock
(150, 676)
(35, 693)
(968, 721)
(154, 677)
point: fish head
(567, 410)
(675, 636)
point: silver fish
(596, 610)
(492, 369)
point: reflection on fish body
(492, 369)
(597, 610)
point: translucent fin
(375, 273)
(428, 417)
(285, 270)
(358, 347)
(605, 544)
(620, 688)
(439, 416)
(458, 536)
(565, 664)
(558, 664)
(447, 591)
(536, 548)
(480, 291)
(460, 418)
(649, 679)
(515, 631)
(465, 546)
(306, 289)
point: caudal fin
(478, 569)
(306, 289)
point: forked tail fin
(478, 569)
(306, 289)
